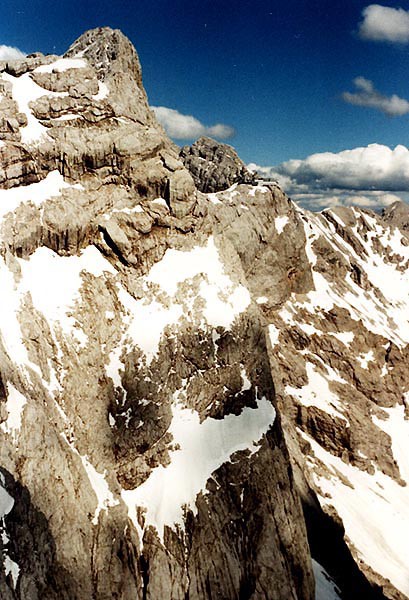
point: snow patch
(11, 567)
(103, 91)
(15, 407)
(147, 321)
(309, 329)
(62, 64)
(105, 498)
(115, 366)
(375, 509)
(10, 331)
(127, 211)
(246, 381)
(346, 337)
(224, 300)
(280, 223)
(67, 117)
(24, 91)
(317, 393)
(203, 448)
(325, 588)
(365, 359)
(388, 318)
(214, 199)
(178, 265)
(6, 504)
(101, 489)
(274, 334)
(6, 501)
(58, 301)
(37, 193)
(160, 202)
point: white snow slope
(374, 508)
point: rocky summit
(214, 166)
(204, 390)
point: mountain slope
(190, 384)
(141, 452)
(339, 356)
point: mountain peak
(214, 166)
(397, 214)
(108, 51)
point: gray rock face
(214, 166)
(87, 117)
(141, 451)
(397, 214)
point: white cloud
(220, 131)
(368, 96)
(10, 53)
(385, 24)
(373, 167)
(186, 127)
(373, 200)
(361, 176)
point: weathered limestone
(100, 358)
(214, 166)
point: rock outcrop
(214, 166)
(397, 214)
(86, 118)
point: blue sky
(273, 70)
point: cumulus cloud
(10, 53)
(373, 167)
(368, 96)
(385, 24)
(186, 127)
(362, 176)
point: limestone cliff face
(142, 454)
(84, 118)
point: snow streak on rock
(202, 448)
(374, 512)
(325, 588)
(6, 504)
(224, 300)
(25, 91)
(147, 319)
(58, 302)
(37, 193)
(61, 65)
(15, 407)
(357, 313)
